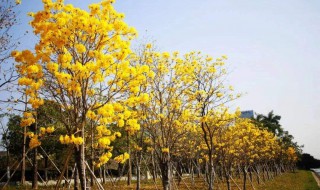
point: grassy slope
(301, 180)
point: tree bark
(35, 169)
(166, 174)
(154, 171)
(244, 177)
(76, 179)
(210, 174)
(129, 161)
(192, 173)
(24, 141)
(104, 173)
(92, 157)
(179, 172)
(23, 164)
(79, 158)
(46, 168)
(227, 176)
(8, 164)
(138, 171)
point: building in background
(247, 114)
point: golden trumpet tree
(208, 93)
(81, 62)
(169, 114)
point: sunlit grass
(300, 180)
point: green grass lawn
(300, 180)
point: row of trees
(241, 149)
(85, 88)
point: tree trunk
(166, 174)
(104, 174)
(228, 181)
(138, 171)
(210, 173)
(250, 174)
(35, 169)
(67, 176)
(179, 172)
(23, 164)
(227, 176)
(8, 164)
(258, 174)
(79, 158)
(192, 173)
(92, 156)
(46, 168)
(244, 177)
(139, 158)
(129, 161)
(76, 179)
(154, 172)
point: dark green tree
(271, 122)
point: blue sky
(273, 49)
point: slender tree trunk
(76, 179)
(210, 172)
(67, 175)
(46, 168)
(35, 161)
(227, 176)
(154, 172)
(244, 177)
(199, 169)
(92, 156)
(258, 173)
(104, 173)
(250, 174)
(35, 169)
(79, 158)
(179, 172)
(138, 170)
(24, 141)
(192, 173)
(166, 174)
(129, 161)
(228, 181)
(8, 164)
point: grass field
(300, 180)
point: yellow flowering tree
(168, 116)
(208, 93)
(81, 63)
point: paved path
(317, 178)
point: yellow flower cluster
(71, 140)
(132, 126)
(48, 130)
(31, 75)
(165, 150)
(27, 119)
(122, 158)
(137, 148)
(104, 142)
(34, 141)
(104, 158)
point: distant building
(247, 114)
